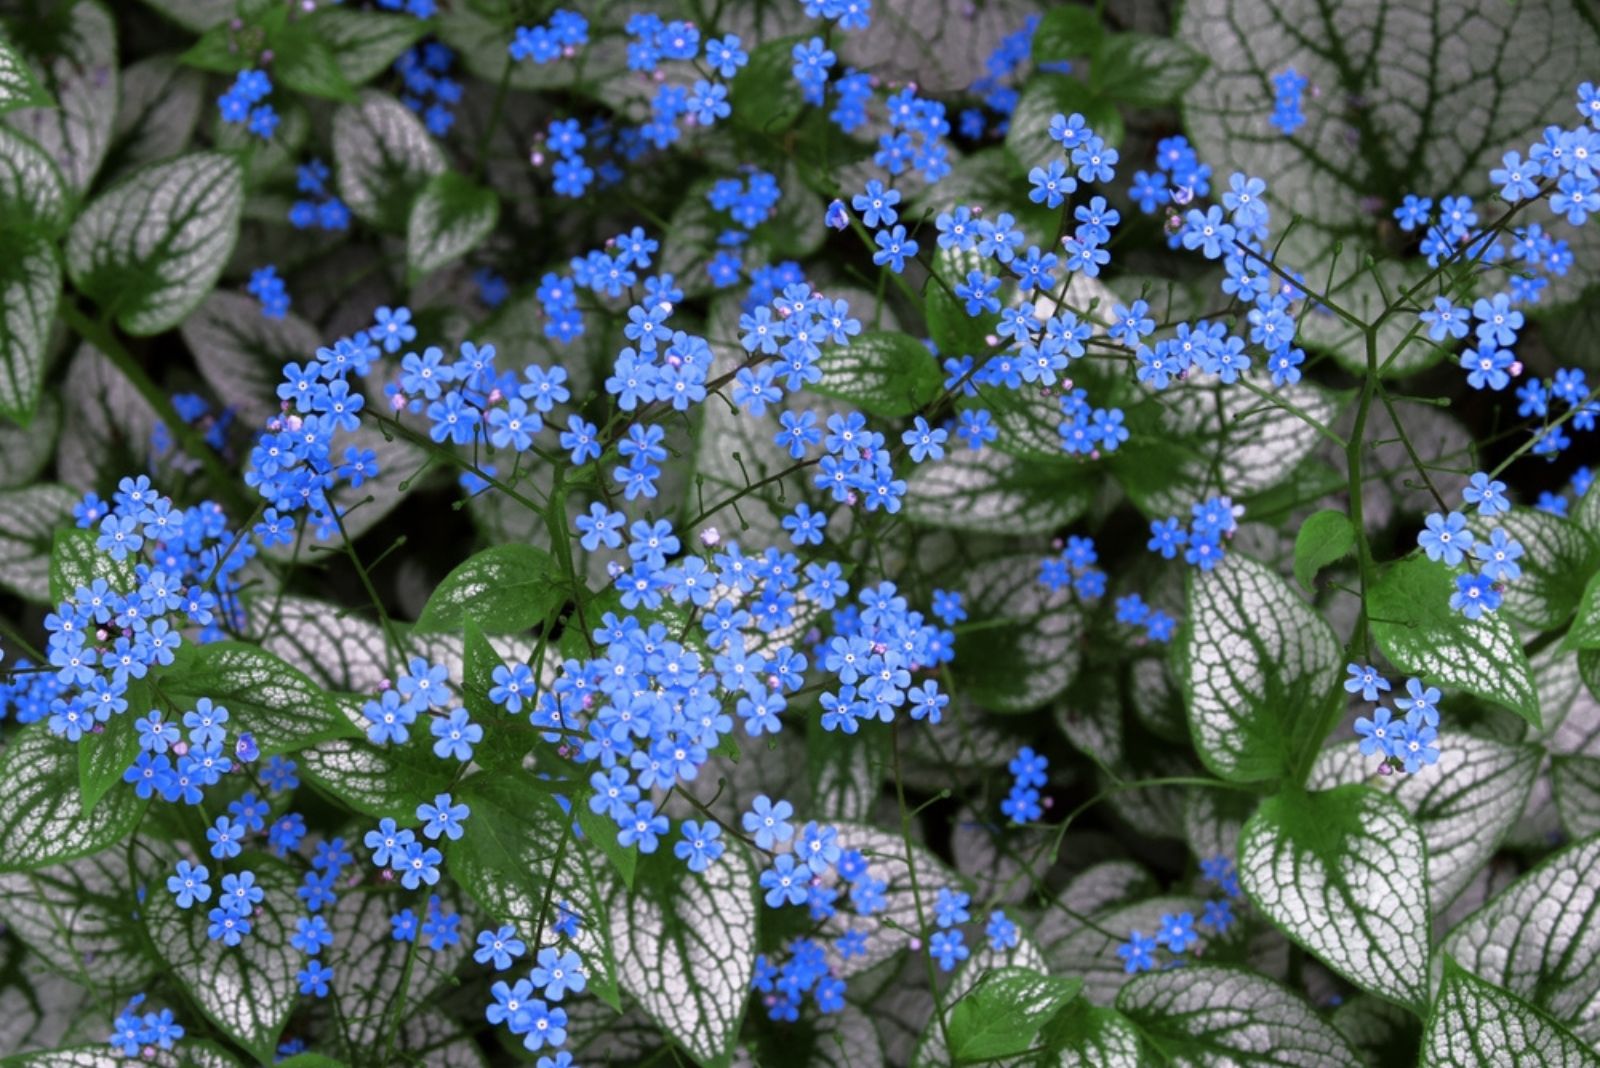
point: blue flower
(1475, 595)
(558, 973)
(499, 947)
(1177, 932)
(1446, 537)
(1137, 953)
(189, 884)
(947, 947)
(1365, 680)
(443, 817)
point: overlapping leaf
(1476, 1023)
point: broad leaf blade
(30, 289)
(882, 373)
(1260, 668)
(1475, 1023)
(1002, 1015)
(28, 520)
(504, 589)
(247, 990)
(1343, 873)
(1464, 804)
(19, 87)
(1204, 1015)
(150, 248)
(79, 69)
(384, 157)
(265, 696)
(41, 820)
(990, 492)
(1409, 609)
(1324, 538)
(76, 560)
(1028, 652)
(1540, 938)
(450, 217)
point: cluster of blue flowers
(1287, 87)
(1176, 932)
(132, 1034)
(242, 103)
(1410, 743)
(323, 210)
(1022, 803)
(1211, 523)
(1179, 178)
(1445, 537)
(267, 286)
(422, 9)
(429, 90)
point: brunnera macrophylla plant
(799, 532)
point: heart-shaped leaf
(77, 66)
(1475, 1023)
(279, 705)
(384, 157)
(1343, 872)
(450, 217)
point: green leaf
(33, 192)
(1087, 1036)
(1540, 938)
(1409, 609)
(1021, 647)
(686, 948)
(602, 831)
(19, 87)
(1585, 630)
(304, 63)
(1002, 1015)
(1475, 1023)
(763, 93)
(75, 57)
(76, 561)
(1043, 98)
(365, 43)
(1464, 804)
(1144, 71)
(28, 521)
(149, 249)
(505, 589)
(1343, 873)
(188, 1053)
(41, 821)
(311, 1060)
(1066, 32)
(1393, 142)
(1558, 558)
(383, 156)
(247, 990)
(881, 372)
(1203, 1014)
(954, 332)
(387, 780)
(104, 754)
(519, 860)
(282, 708)
(30, 288)
(1324, 538)
(450, 217)
(1260, 670)
(989, 491)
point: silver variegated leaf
(1375, 1027)
(76, 916)
(32, 189)
(687, 957)
(1259, 664)
(1476, 1023)
(24, 451)
(991, 492)
(337, 650)
(368, 964)
(150, 248)
(241, 352)
(1344, 873)
(1558, 558)
(1405, 62)
(847, 1039)
(892, 929)
(30, 288)
(18, 85)
(1031, 651)
(106, 423)
(1204, 1015)
(247, 990)
(1540, 938)
(365, 43)
(1577, 789)
(1089, 1036)
(41, 820)
(384, 156)
(28, 518)
(449, 218)
(1464, 804)
(161, 102)
(1024, 966)
(81, 74)
(279, 705)
(185, 1054)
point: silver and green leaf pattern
(1475, 1023)
(383, 156)
(42, 821)
(1344, 873)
